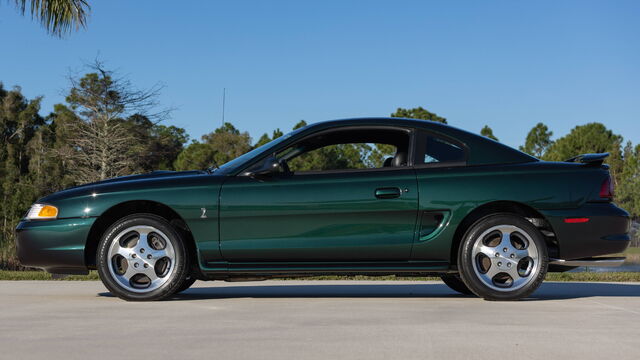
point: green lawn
(583, 276)
(632, 254)
(41, 275)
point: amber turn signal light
(41, 211)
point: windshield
(253, 153)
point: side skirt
(262, 270)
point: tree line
(106, 127)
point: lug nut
(513, 255)
(499, 264)
(497, 254)
(147, 265)
(505, 249)
(133, 256)
(135, 265)
(508, 265)
(149, 256)
(142, 250)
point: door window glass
(343, 157)
(348, 149)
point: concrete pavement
(318, 320)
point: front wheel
(503, 257)
(186, 284)
(142, 257)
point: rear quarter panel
(460, 190)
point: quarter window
(433, 150)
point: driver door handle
(388, 193)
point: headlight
(41, 211)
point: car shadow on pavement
(548, 291)
(574, 290)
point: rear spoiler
(589, 159)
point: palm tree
(58, 17)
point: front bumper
(56, 246)
(606, 232)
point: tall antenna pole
(224, 95)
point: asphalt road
(318, 320)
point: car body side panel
(323, 217)
(460, 190)
(186, 195)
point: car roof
(481, 150)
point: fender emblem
(204, 213)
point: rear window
(433, 150)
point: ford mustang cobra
(488, 219)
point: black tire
(478, 276)
(454, 282)
(177, 265)
(186, 284)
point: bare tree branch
(101, 145)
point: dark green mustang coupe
(488, 219)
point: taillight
(606, 189)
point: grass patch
(632, 254)
(41, 275)
(595, 276)
(582, 276)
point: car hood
(127, 182)
(152, 175)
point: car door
(351, 215)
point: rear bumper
(606, 232)
(56, 246)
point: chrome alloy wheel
(141, 259)
(505, 258)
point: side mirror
(269, 167)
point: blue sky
(508, 64)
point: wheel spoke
(157, 254)
(521, 254)
(513, 272)
(493, 271)
(129, 273)
(150, 273)
(488, 250)
(505, 242)
(144, 231)
(124, 252)
(142, 239)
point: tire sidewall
(181, 262)
(466, 261)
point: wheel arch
(495, 207)
(127, 208)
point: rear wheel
(142, 257)
(454, 282)
(503, 257)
